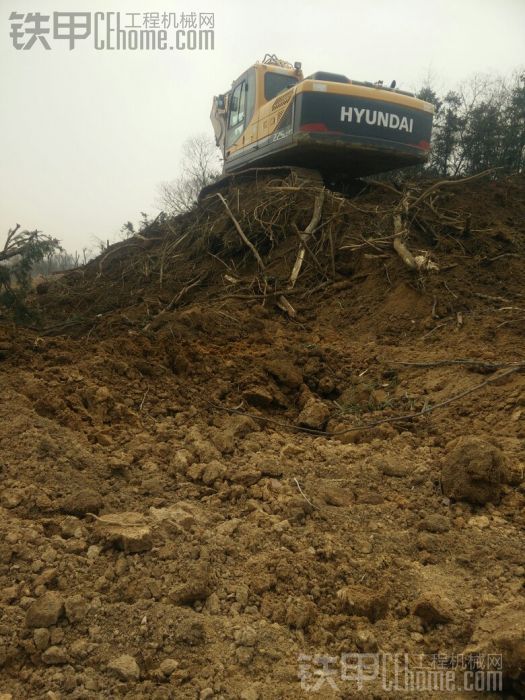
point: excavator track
(295, 176)
(298, 176)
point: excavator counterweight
(273, 117)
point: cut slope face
(190, 500)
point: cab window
(238, 105)
(274, 83)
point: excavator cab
(274, 116)
(233, 112)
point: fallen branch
(474, 363)
(285, 306)
(241, 232)
(316, 216)
(414, 262)
(399, 246)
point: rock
(433, 609)
(480, 521)
(125, 668)
(45, 611)
(41, 638)
(300, 613)
(514, 473)
(204, 450)
(214, 470)
(224, 441)
(128, 531)
(250, 694)
(258, 396)
(473, 470)
(168, 666)
(502, 631)
(213, 604)
(435, 523)
(245, 637)
(189, 630)
(54, 656)
(56, 635)
(429, 542)
(246, 477)
(80, 648)
(46, 577)
(181, 460)
(9, 594)
(240, 426)
(366, 641)
(183, 514)
(195, 471)
(314, 415)
(92, 552)
(364, 602)
(82, 502)
(326, 385)
(228, 527)
(393, 465)
(196, 588)
(285, 372)
(76, 608)
(206, 694)
(335, 495)
(11, 498)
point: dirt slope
(188, 503)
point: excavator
(323, 127)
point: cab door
(236, 117)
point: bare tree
(201, 165)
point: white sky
(86, 135)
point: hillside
(287, 423)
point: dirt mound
(224, 456)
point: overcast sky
(87, 135)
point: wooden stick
(316, 216)
(241, 232)
(400, 248)
(285, 305)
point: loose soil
(190, 501)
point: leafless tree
(201, 165)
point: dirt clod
(46, 610)
(125, 667)
(433, 609)
(314, 415)
(473, 470)
(81, 502)
(502, 632)
(364, 602)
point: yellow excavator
(336, 128)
